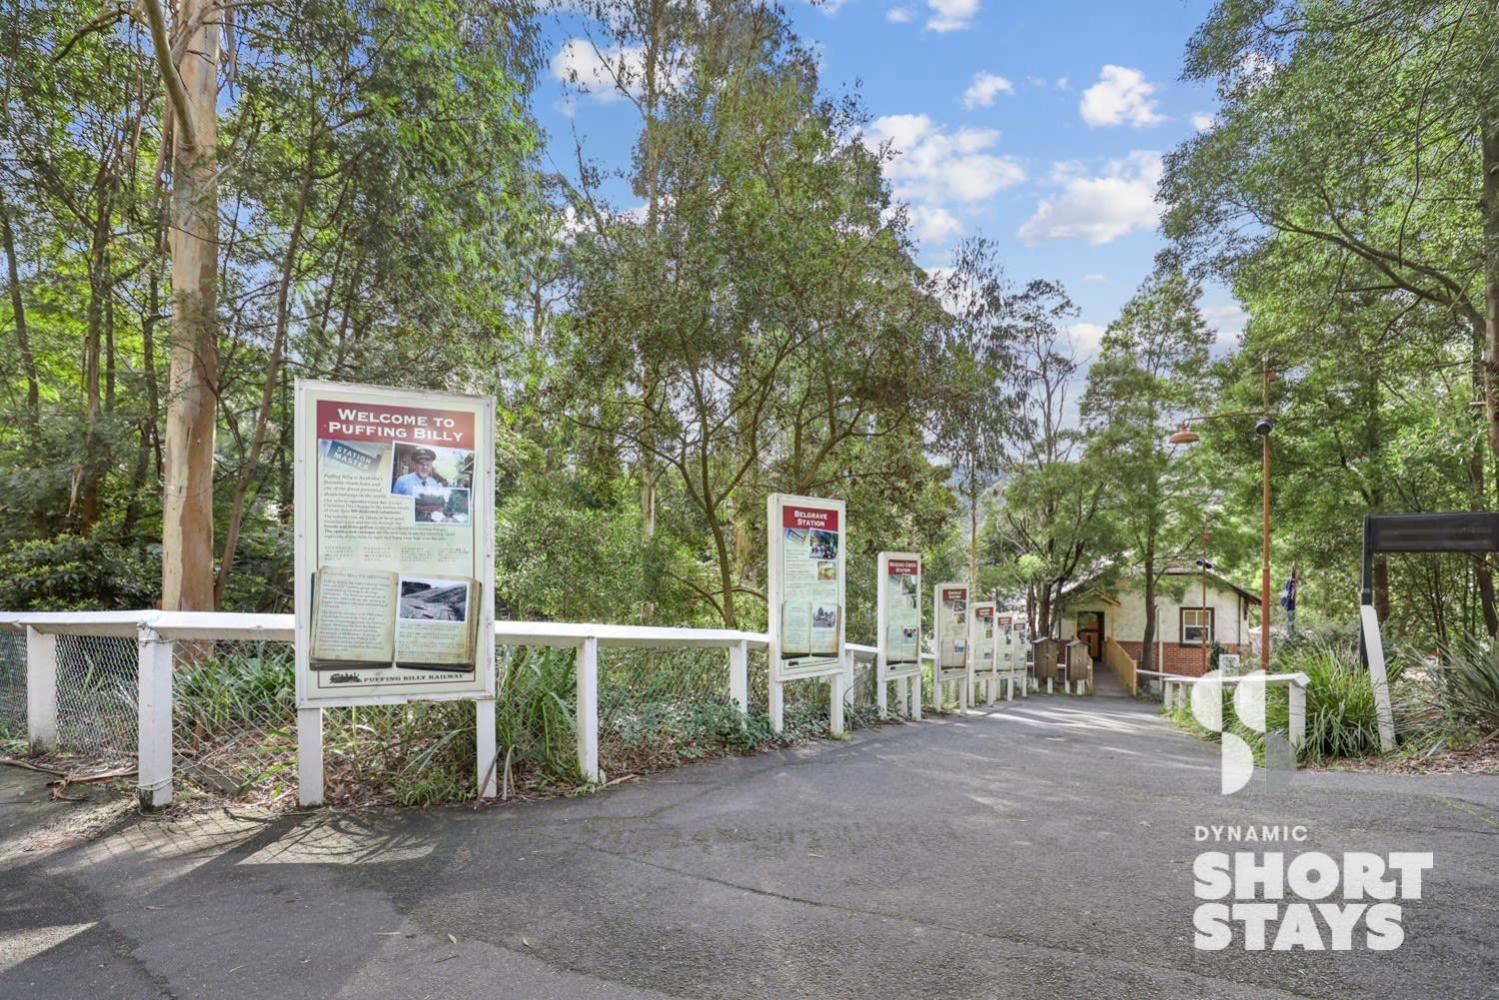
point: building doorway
(1090, 630)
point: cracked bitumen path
(1041, 849)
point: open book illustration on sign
(371, 616)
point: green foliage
(1467, 680)
(536, 730)
(1150, 373)
(560, 555)
(1341, 720)
(1341, 194)
(69, 573)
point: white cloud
(932, 166)
(1254, 70)
(982, 91)
(1085, 338)
(1204, 123)
(1121, 95)
(1099, 209)
(599, 73)
(1095, 277)
(935, 224)
(1227, 322)
(898, 15)
(951, 15)
(1035, 81)
(607, 74)
(1063, 83)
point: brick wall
(1179, 659)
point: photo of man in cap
(421, 474)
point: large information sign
(950, 641)
(950, 602)
(395, 545)
(900, 613)
(981, 641)
(806, 537)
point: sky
(1038, 126)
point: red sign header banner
(904, 567)
(984, 612)
(955, 594)
(815, 518)
(397, 424)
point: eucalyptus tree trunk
(1489, 205)
(18, 315)
(189, 68)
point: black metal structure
(1469, 531)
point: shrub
(1468, 681)
(1341, 720)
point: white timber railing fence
(117, 686)
(1176, 690)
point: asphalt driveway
(1043, 849)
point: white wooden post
(487, 762)
(1297, 695)
(309, 756)
(881, 696)
(849, 665)
(588, 708)
(836, 687)
(739, 675)
(777, 699)
(41, 690)
(1378, 679)
(153, 771)
(913, 696)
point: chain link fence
(97, 702)
(234, 720)
(12, 691)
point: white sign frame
(941, 675)
(909, 690)
(481, 515)
(834, 667)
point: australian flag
(1288, 599)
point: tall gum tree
(188, 58)
(1150, 372)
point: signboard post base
(837, 686)
(309, 756)
(1378, 679)
(484, 737)
(739, 675)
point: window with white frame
(1196, 626)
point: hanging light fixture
(1185, 436)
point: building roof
(1174, 568)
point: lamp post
(1262, 427)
